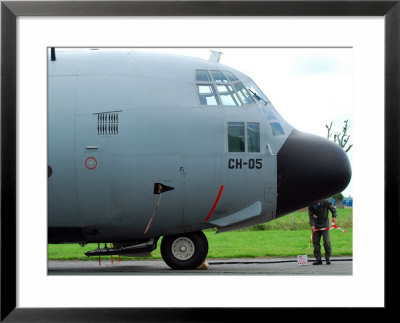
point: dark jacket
(318, 213)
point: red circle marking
(86, 163)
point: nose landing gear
(185, 250)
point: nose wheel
(184, 251)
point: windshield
(216, 87)
(259, 96)
(257, 93)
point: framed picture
(97, 24)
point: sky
(310, 87)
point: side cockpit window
(236, 139)
(253, 137)
(244, 137)
(221, 88)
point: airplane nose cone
(310, 168)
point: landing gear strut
(185, 250)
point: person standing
(319, 218)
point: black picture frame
(10, 10)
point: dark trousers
(317, 244)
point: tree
(339, 200)
(341, 138)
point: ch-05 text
(238, 163)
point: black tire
(184, 251)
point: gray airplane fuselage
(122, 122)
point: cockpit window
(219, 77)
(202, 76)
(268, 113)
(277, 129)
(236, 138)
(253, 137)
(256, 92)
(227, 95)
(243, 93)
(221, 88)
(207, 94)
(237, 134)
(231, 77)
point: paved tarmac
(242, 266)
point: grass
(272, 244)
(299, 221)
(284, 237)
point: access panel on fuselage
(115, 179)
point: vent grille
(107, 124)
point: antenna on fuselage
(215, 56)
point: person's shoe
(328, 262)
(318, 262)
